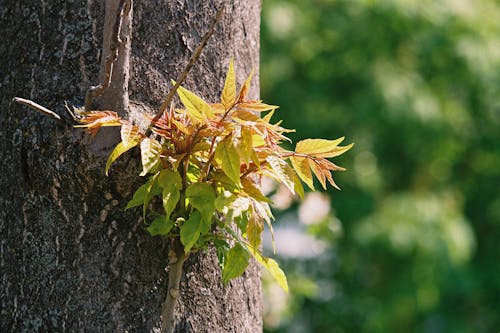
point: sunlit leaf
(227, 157)
(245, 144)
(150, 155)
(118, 151)
(271, 266)
(130, 134)
(236, 263)
(196, 107)
(256, 106)
(245, 87)
(254, 230)
(321, 147)
(318, 172)
(249, 188)
(282, 172)
(160, 226)
(301, 167)
(229, 92)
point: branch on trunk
(95, 91)
(177, 257)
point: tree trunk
(71, 258)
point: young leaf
(256, 106)
(229, 92)
(245, 144)
(245, 87)
(129, 134)
(227, 157)
(150, 155)
(301, 167)
(202, 197)
(197, 108)
(190, 231)
(160, 226)
(252, 190)
(171, 183)
(321, 147)
(118, 151)
(235, 264)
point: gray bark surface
(71, 258)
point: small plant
(204, 163)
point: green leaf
(235, 264)
(190, 231)
(227, 157)
(150, 155)
(229, 92)
(160, 226)
(119, 150)
(171, 183)
(196, 107)
(202, 197)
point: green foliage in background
(416, 84)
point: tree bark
(71, 258)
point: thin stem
(36, 107)
(177, 257)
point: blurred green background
(412, 242)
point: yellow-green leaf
(256, 106)
(236, 263)
(118, 151)
(245, 144)
(150, 155)
(321, 147)
(254, 230)
(271, 266)
(301, 167)
(227, 157)
(229, 92)
(197, 108)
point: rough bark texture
(70, 258)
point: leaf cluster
(204, 162)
